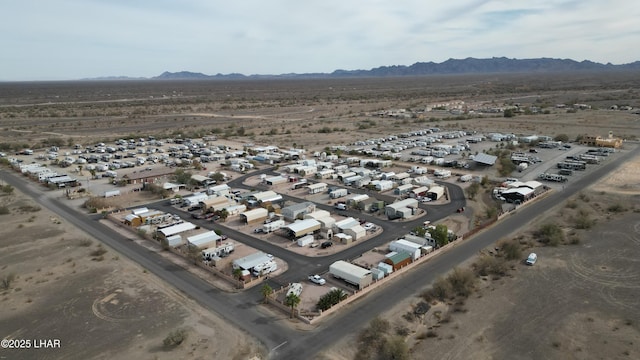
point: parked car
(326, 244)
(531, 259)
(317, 279)
(258, 230)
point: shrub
(616, 208)
(462, 281)
(510, 249)
(99, 251)
(489, 265)
(583, 221)
(4, 210)
(550, 234)
(394, 348)
(175, 338)
(7, 280)
(440, 290)
(372, 338)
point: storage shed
(174, 241)
(398, 260)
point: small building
(219, 190)
(317, 188)
(419, 191)
(297, 211)
(403, 189)
(353, 274)
(354, 199)
(409, 247)
(518, 195)
(204, 240)
(343, 238)
(350, 226)
(398, 260)
(213, 203)
(436, 192)
(254, 215)
(175, 241)
(400, 209)
(275, 180)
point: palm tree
(266, 291)
(292, 300)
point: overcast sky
(73, 39)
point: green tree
(217, 177)
(237, 273)
(224, 214)
(266, 291)
(330, 299)
(292, 300)
(420, 231)
(440, 234)
(561, 137)
(182, 177)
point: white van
(531, 259)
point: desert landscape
(578, 302)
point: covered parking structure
(164, 233)
(302, 227)
(250, 261)
(255, 215)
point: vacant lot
(57, 283)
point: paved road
(241, 308)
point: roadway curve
(240, 308)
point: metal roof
(485, 159)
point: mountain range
(451, 66)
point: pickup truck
(317, 279)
